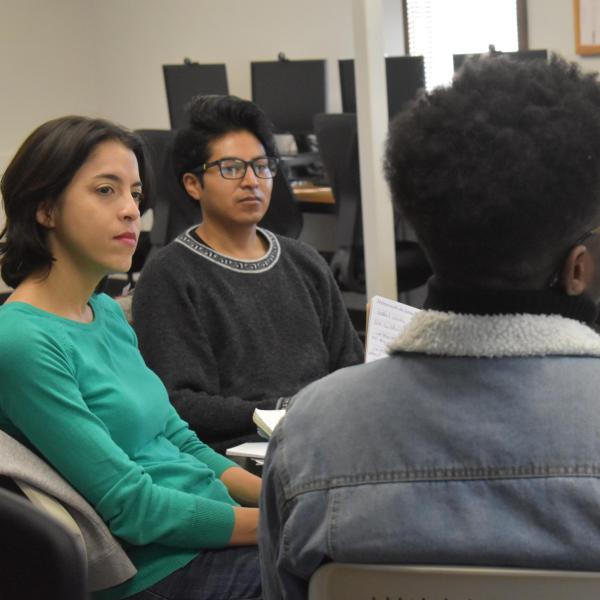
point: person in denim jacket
(475, 441)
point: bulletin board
(587, 26)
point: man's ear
(192, 185)
(45, 215)
(578, 271)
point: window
(438, 29)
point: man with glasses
(231, 316)
(480, 441)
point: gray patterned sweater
(227, 336)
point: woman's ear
(578, 271)
(45, 215)
(192, 185)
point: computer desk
(304, 190)
(314, 199)
(314, 194)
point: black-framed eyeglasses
(554, 280)
(264, 167)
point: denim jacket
(476, 442)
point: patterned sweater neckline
(260, 265)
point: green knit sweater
(82, 396)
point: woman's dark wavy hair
(211, 117)
(39, 172)
(500, 173)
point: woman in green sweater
(75, 388)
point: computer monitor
(291, 92)
(405, 76)
(183, 82)
(459, 59)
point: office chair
(40, 559)
(284, 215)
(173, 209)
(339, 581)
(43, 489)
(338, 143)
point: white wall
(552, 27)
(149, 33)
(46, 66)
(105, 57)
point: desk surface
(315, 195)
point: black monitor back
(291, 92)
(405, 76)
(459, 59)
(183, 82)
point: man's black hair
(500, 173)
(211, 117)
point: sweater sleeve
(174, 342)
(178, 432)
(41, 398)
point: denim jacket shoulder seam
(333, 508)
(441, 475)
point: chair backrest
(337, 138)
(337, 135)
(39, 557)
(24, 473)
(173, 209)
(284, 215)
(338, 581)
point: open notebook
(266, 420)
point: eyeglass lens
(235, 168)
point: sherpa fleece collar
(451, 334)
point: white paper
(387, 318)
(249, 450)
